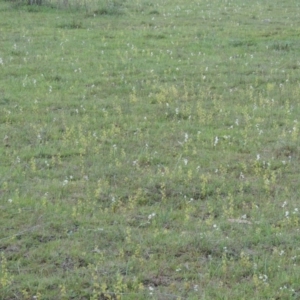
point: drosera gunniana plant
(149, 150)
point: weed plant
(150, 150)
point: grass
(150, 150)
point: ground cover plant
(149, 149)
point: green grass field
(150, 150)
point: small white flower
(151, 216)
(257, 157)
(186, 137)
(263, 277)
(216, 141)
(10, 200)
(151, 289)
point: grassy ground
(150, 150)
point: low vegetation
(150, 150)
